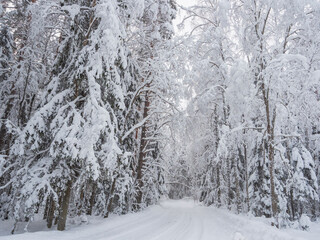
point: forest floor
(171, 219)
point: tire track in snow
(195, 229)
(115, 226)
(144, 230)
(178, 228)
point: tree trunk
(64, 208)
(50, 212)
(143, 144)
(92, 199)
(292, 205)
(229, 182)
(270, 139)
(110, 200)
(238, 200)
(246, 176)
(218, 186)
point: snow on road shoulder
(171, 219)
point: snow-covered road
(182, 219)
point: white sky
(185, 3)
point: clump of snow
(78, 220)
(304, 222)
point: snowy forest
(106, 106)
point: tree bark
(110, 200)
(270, 139)
(92, 199)
(143, 144)
(229, 182)
(50, 213)
(292, 205)
(64, 208)
(218, 186)
(246, 176)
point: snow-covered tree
(248, 69)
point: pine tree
(157, 31)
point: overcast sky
(185, 3)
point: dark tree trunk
(92, 199)
(292, 205)
(218, 186)
(143, 144)
(246, 176)
(50, 212)
(110, 200)
(64, 208)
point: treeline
(252, 134)
(86, 90)
(89, 123)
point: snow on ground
(171, 219)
